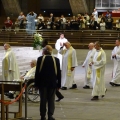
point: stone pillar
(78, 6)
(24, 6)
(12, 7)
(91, 6)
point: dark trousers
(47, 95)
(58, 94)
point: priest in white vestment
(88, 68)
(69, 62)
(58, 45)
(10, 70)
(116, 62)
(99, 62)
(28, 76)
(31, 73)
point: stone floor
(77, 104)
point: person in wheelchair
(27, 76)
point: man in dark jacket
(93, 24)
(47, 80)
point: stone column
(12, 7)
(78, 6)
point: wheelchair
(32, 92)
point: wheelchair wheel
(33, 94)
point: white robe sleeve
(86, 60)
(102, 62)
(118, 57)
(57, 45)
(74, 59)
(31, 76)
(118, 54)
(61, 51)
(12, 61)
(113, 53)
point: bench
(79, 39)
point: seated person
(20, 18)
(27, 76)
(48, 24)
(41, 17)
(68, 24)
(17, 25)
(118, 24)
(31, 73)
(41, 25)
(93, 24)
(109, 22)
(8, 24)
(83, 22)
(57, 23)
(102, 25)
(23, 23)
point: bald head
(91, 46)
(67, 45)
(8, 18)
(6, 46)
(33, 63)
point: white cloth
(57, 46)
(95, 13)
(117, 23)
(98, 20)
(68, 81)
(102, 26)
(88, 69)
(116, 67)
(21, 17)
(63, 21)
(98, 82)
(41, 17)
(13, 70)
(30, 74)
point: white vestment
(10, 70)
(99, 61)
(57, 46)
(68, 80)
(88, 68)
(116, 68)
(30, 74)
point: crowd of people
(82, 21)
(53, 73)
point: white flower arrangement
(37, 40)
